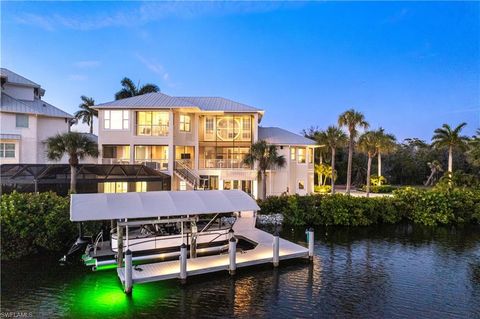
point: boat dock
(245, 227)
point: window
(152, 123)
(184, 123)
(140, 187)
(7, 150)
(209, 129)
(115, 120)
(115, 187)
(228, 128)
(292, 153)
(155, 154)
(310, 155)
(301, 185)
(246, 128)
(21, 120)
(183, 186)
(118, 152)
(301, 155)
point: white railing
(186, 172)
(115, 161)
(160, 165)
(152, 130)
(223, 164)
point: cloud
(156, 68)
(87, 64)
(77, 77)
(140, 15)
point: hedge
(427, 207)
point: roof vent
(44, 105)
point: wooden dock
(244, 227)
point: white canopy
(102, 206)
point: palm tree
(130, 89)
(266, 157)
(86, 113)
(351, 119)
(368, 144)
(435, 168)
(446, 137)
(334, 138)
(76, 146)
(386, 145)
(473, 154)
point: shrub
(322, 189)
(381, 189)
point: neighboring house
(200, 142)
(26, 120)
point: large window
(152, 153)
(7, 150)
(115, 187)
(184, 123)
(292, 153)
(223, 157)
(301, 155)
(310, 155)
(228, 128)
(116, 120)
(140, 187)
(116, 154)
(152, 123)
(21, 120)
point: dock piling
(276, 249)
(128, 272)
(311, 241)
(119, 246)
(183, 263)
(232, 253)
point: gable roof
(37, 106)
(161, 100)
(279, 136)
(15, 78)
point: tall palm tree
(473, 154)
(334, 138)
(86, 113)
(76, 146)
(266, 157)
(446, 137)
(386, 145)
(130, 89)
(352, 120)
(368, 144)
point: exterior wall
(28, 145)
(19, 92)
(47, 127)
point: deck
(261, 254)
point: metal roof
(37, 106)
(160, 100)
(219, 104)
(13, 77)
(10, 136)
(276, 135)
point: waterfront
(383, 271)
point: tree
(368, 144)
(435, 168)
(352, 120)
(266, 157)
(446, 137)
(334, 138)
(386, 145)
(130, 89)
(86, 113)
(473, 154)
(76, 146)
(324, 170)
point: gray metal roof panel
(149, 100)
(13, 77)
(219, 104)
(37, 106)
(276, 135)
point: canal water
(394, 271)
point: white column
(232, 253)
(128, 272)
(183, 263)
(276, 249)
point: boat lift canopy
(101, 206)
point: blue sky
(409, 67)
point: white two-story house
(26, 120)
(200, 142)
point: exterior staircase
(183, 171)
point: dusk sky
(409, 67)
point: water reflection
(387, 271)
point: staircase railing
(187, 173)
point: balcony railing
(160, 165)
(223, 164)
(152, 130)
(115, 161)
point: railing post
(119, 245)
(128, 272)
(311, 242)
(232, 253)
(183, 263)
(230, 233)
(276, 249)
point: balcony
(159, 165)
(223, 164)
(152, 130)
(115, 161)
